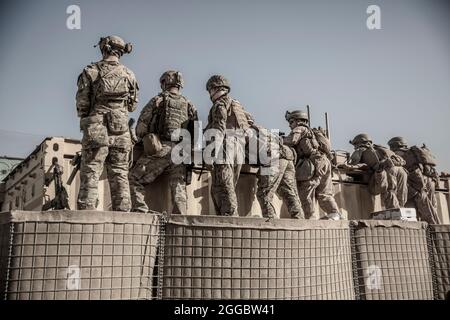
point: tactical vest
(173, 114)
(111, 87)
(308, 145)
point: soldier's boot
(332, 216)
(82, 205)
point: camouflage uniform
(107, 91)
(281, 180)
(162, 115)
(421, 184)
(386, 170)
(313, 171)
(227, 113)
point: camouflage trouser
(283, 182)
(395, 192)
(92, 162)
(422, 192)
(147, 169)
(319, 186)
(223, 188)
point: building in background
(7, 164)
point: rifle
(134, 141)
(76, 162)
(189, 169)
(134, 138)
(61, 200)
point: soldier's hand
(343, 166)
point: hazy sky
(278, 55)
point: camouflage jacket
(375, 157)
(86, 101)
(227, 113)
(303, 141)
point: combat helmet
(361, 139)
(297, 115)
(397, 142)
(171, 78)
(217, 81)
(114, 42)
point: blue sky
(278, 55)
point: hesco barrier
(392, 260)
(251, 258)
(112, 255)
(440, 242)
(78, 255)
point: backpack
(423, 155)
(111, 84)
(308, 144)
(323, 142)
(385, 157)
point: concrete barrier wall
(78, 255)
(440, 235)
(392, 260)
(250, 258)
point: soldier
(165, 113)
(226, 115)
(387, 175)
(422, 177)
(281, 180)
(107, 91)
(313, 168)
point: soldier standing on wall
(422, 177)
(387, 175)
(226, 115)
(165, 113)
(107, 92)
(313, 168)
(280, 179)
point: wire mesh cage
(73, 255)
(110, 255)
(250, 258)
(391, 260)
(440, 250)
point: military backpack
(424, 155)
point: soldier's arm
(192, 112)
(134, 92)
(84, 94)
(294, 137)
(145, 118)
(219, 118)
(355, 161)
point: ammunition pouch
(117, 122)
(95, 133)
